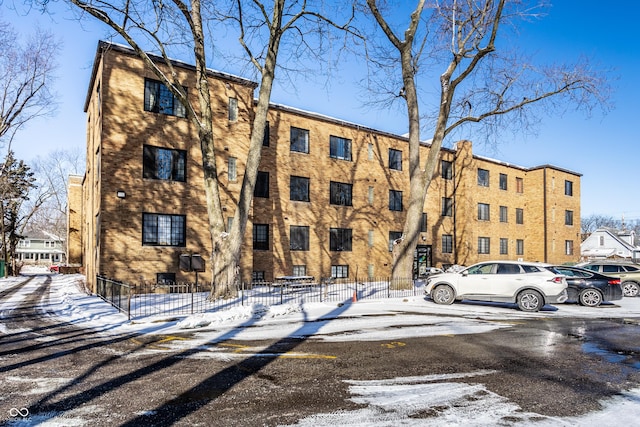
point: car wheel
(590, 298)
(530, 300)
(443, 294)
(630, 289)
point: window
(265, 138)
(601, 240)
(446, 169)
(262, 185)
(483, 177)
(484, 244)
(164, 164)
(519, 216)
(504, 246)
(339, 271)
(159, 99)
(519, 247)
(447, 244)
(568, 247)
(299, 238)
(232, 172)
(233, 109)
(165, 278)
(568, 217)
(370, 196)
(261, 237)
(503, 181)
(423, 223)
(299, 270)
(340, 193)
(163, 230)
(519, 185)
(257, 277)
(299, 140)
(395, 159)
(447, 206)
(395, 200)
(568, 188)
(370, 238)
(504, 214)
(370, 151)
(299, 189)
(339, 148)
(483, 212)
(393, 236)
(340, 239)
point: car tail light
(613, 282)
(557, 279)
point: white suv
(528, 284)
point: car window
(590, 267)
(481, 269)
(531, 269)
(508, 269)
(607, 268)
(572, 272)
(631, 268)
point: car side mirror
(465, 273)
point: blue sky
(604, 149)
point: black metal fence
(188, 298)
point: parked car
(54, 268)
(588, 287)
(530, 285)
(628, 273)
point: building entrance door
(422, 261)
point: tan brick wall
(118, 127)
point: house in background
(40, 248)
(608, 243)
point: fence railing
(187, 298)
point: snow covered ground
(390, 401)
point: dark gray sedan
(588, 287)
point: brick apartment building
(330, 198)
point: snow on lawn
(440, 400)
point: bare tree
(591, 223)
(177, 23)
(48, 201)
(26, 74)
(477, 84)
